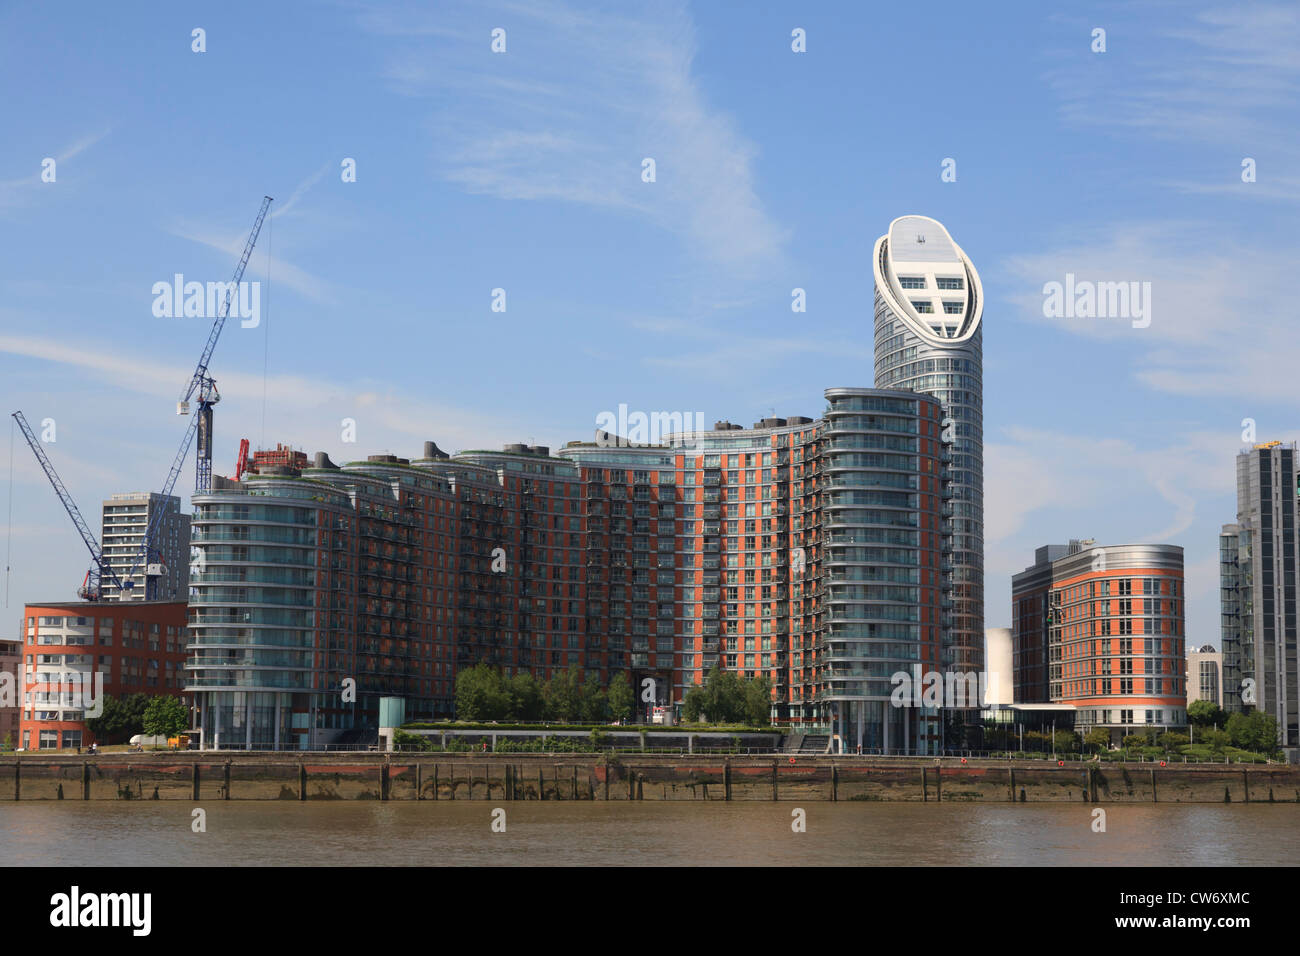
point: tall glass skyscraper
(1258, 589)
(928, 307)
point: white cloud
(1220, 76)
(1031, 470)
(15, 192)
(1221, 316)
(1044, 486)
(303, 282)
(309, 410)
(574, 105)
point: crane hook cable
(266, 332)
(9, 543)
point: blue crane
(206, 388)
(98, 569)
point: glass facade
(255, 625)
(880, 569)
(942, 355)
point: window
(912, 282)
(953, 308)
(949, 283)
(923, 308)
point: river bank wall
(507, 777)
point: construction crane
(202, 383)
(241, 464)
(207, 395)
(89, 589)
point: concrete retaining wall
(504, 777)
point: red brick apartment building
(812, 552)
(138, 648)
(1102, 629)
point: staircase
(806, 744)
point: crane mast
(202, 383)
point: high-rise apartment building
(126, 518)
(1205, 675)
(813, 553)
(928, 309)
(1259, 590)
(1102, 629)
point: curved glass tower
(928, 307)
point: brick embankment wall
(504, 777)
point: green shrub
(404, 741)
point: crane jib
(200, 381)
(98, 570)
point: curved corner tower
(929, 303)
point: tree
(594, 704)
(120, 720)
(165, 717)
(481, 694)
(1255, 731)
(1216, 739)
(526, 701)
(1098, 739)
(1205, 713)
(758, 701)
(408, 741)
(620, 697)
(693, 704)
(9, 742)
(1037, 740)
(721, 693)
(1135, 740)
(724, 698)
(1172, 741)
(563, 696)
(1066, 741)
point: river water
(650, 833)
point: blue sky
(522, 171)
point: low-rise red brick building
(75, 653)
(11, 664)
